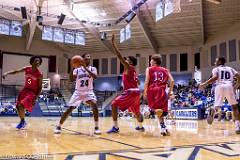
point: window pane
(223, 50)
(104, 66)
(184, 62)
(213, 54)
(173, 62)
(114, 66)
(232, 50)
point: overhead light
(71, 5)
(130, 17)
(103, 36)
(102, 13)
(16, 9)
(40, 19)
(215, 1)
(24, 12)
(61, 19)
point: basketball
(76, 61)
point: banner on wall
(46, 85)
(186, 113)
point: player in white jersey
(223, 76)
(83, 93)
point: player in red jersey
(31, 90)
(154, 90)
(130, 98)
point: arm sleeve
(94, 70)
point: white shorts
(224, 91)
(81, 96)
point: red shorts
(27, 98)
(128, 100)
(157, 98)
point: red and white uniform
(130, 98)
(28, 94)
(156, 94)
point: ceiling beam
(5, 13)
(152, 42)
(33, 24)
(31, 31)
(94, 32)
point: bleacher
(58, 107)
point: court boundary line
(134, 150)
(102, 138)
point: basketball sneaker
(210, 116)
(173, 122)
(97, 131)
(164, 130)
(113, 130)
(237, 127)
(58, 130)
(140, 129)
(21, 125)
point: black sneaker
(140, 129)
(58, 130)
(97, 131)
(210, 116)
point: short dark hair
(32, 59)
(133, 60)
(222, 60)
(83, 56)
(157, 59)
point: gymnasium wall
(38, 47)
(143, 60)
(13, 62)
(225, 43)
(114, 83)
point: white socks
(115, 123)
(96, 123)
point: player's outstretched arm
(13, 72)
(209, 81)
(146, 83)
(118, 54)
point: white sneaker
(97, 131)
(57, 130)
(173, 122)
(164, 131)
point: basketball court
(189, 140)
(88, 46)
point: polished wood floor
(189, 140)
